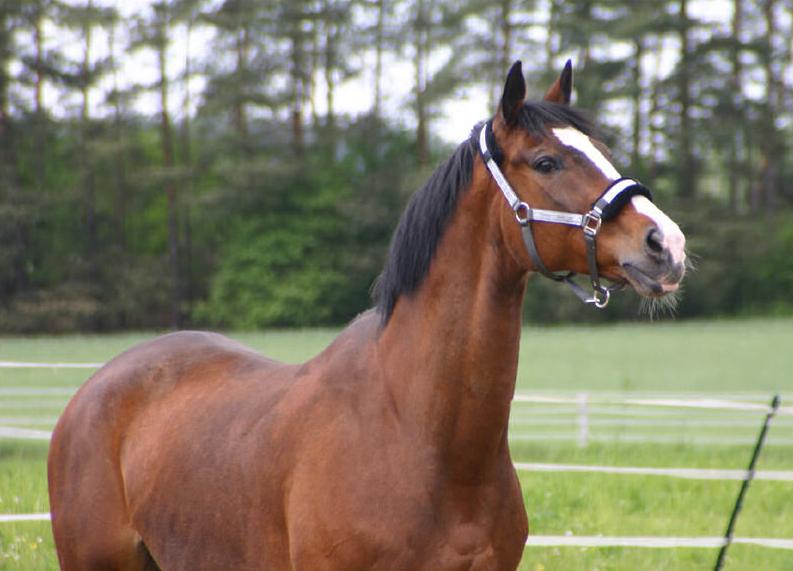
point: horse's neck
(451, 348)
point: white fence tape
(684, 422)
(701, 403)
(624, 438)
(29, 365)
(688, 473)
(658, 542)
(24, 433)
(8, 518)
(37, 392)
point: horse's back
(154, 368)
(185, 367)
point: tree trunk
(88, 178)
(687, 175)
(330, 67)
(734, 168)
(298, 75)
(298, 93)
(311, 95)
(119, 159)
(39, 63)
(655, 107)
(239, 113)
(506, 34)
(187, 162)
(636, 146)
(504, 50)
(378, 66)
(166, 139)
(765, 191)
(419, 65)
(9, 174)
(39, 122)
(550, 30)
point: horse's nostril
(654, 241)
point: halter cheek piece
(606, 207)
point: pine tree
(83, 76)
(154, 33)
(13, 218)
(428, 27)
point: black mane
(428, 212)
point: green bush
(273, 277)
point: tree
(430, 26)
(687, 170)
(13, 229)
(155, 34)
(766, 191)
(83, 75)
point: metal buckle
(522, 206)
(591, 223)
(600, 297)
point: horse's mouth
(649, 286)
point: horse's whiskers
(690, 263)
(655, 307)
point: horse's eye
(546, 165)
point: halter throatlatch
(606, 207)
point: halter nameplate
(606, 207)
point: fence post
(745, 485)
(583, 419)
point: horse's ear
(560, 91)
(514, 94)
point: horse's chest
(426, 534)
(472, 534)
(465, 547)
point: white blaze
(571, 137)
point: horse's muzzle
(660, 267)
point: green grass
(740, 558)
(706, 356)
(24, 546)
(751, 358)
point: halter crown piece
(607, 206)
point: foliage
(743, 263)
(253, 201)
(311, 260)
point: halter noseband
(607, 206)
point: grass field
(747, 358)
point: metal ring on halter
(522, 206)
(596, 300)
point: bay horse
(388, 450)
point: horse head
(577, 212)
